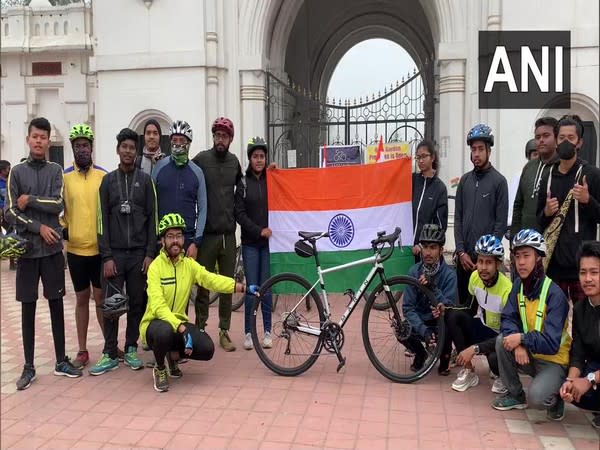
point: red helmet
(223, 124)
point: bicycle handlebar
(383, 239)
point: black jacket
(135, 231)
(586, 335)
(43, 182)
(429, 203)
(221, 174)
(563, 265)
(481, 208)
(251, 208)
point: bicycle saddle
(312, 234)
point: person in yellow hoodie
(82, 182)
(165, 327)
(534, 338)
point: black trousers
(162, 339)
(130, 275)
(462, 282)
(415, 344)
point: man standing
(82, 182)
(568, 207)
(151, 152)
(222, 171)
(481, 205)
(127, 240)
(525, 206)
(34, 201)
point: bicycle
(304, 326)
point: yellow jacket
(169, 287)
(81, 206)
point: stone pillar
(253, 103)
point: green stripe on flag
(339, 281)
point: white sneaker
(498, 387)
(466, 378)
(248, 342)
(267, 341)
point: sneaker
(120, 355)
(508, 402)
(556, 412)
(105, 364)
(498, 387)
(131, 359)
(466, 379)
(596, 420)
(248, 345)
(225, 341)
(267, 341)
(27, 377)
(174, 370)
(82, 359)
(161, 379)
(67, 369)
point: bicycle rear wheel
(384, 332)
(293, 351)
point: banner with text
(391, 150)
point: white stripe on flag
(366, 222)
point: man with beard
(165, 326)
(151, 152)
(222, 171)
(568, 207)
(481, 205)
(82, 182)
(525, 206)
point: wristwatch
(476, 349)
(591, 377)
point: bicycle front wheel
(295, 329)
(386, 332)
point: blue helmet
(530, 238)
(480, 132)
(489, 245)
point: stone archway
(137, 122)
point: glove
(253, 289)
(187, 339)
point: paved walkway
(234, 402)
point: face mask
(83, 159)
(180, 154)
(565, 150)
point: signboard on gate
(340, 155)
(391, 150)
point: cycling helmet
(256, 143)
(115, 305)
(81, 130)
(489, 245)
(170, 220)
(12, 246)
(182, 128)
(530, 238)
(530, 147)
(223, 124)
(480, 132)
(432, 233)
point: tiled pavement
(234, 402)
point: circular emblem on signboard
(341, 230)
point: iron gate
(299, 122)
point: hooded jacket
(481, 208)
(251, 207)
(429, 203)
(563, 265)
(43, 181)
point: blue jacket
(182, 190)
(416, 306)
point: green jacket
(169, 287)
(525, 206)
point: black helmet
(530, 147)
(432, 232)
(256, 143)
(116, 305)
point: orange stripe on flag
(340, 188)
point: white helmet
(489, 245)
(181, 127)
(530, 238)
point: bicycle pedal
(341, 364)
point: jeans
(129, 273)
(547, 376)
(256, 268)
(591, 399)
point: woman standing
(430, 196)
(251, 212)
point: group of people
(127, 259)
(519, 322)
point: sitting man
(581, 387)
(474, 329)
(165, 327)
(435, 274)
(534, 338)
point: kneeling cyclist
(165, 327)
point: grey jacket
(43, 182)
(481, 208)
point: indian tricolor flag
(352, 203)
